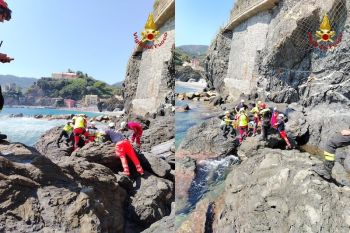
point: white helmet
(241, 110)
(111, 125)
(93, 123)
(242, 100)
(122, 125)
(280, 115)
(227, 112)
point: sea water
(28, 130)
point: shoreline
(198, 86)
(77, 110)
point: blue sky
(198, 21)
(92, 36)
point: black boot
(324, 170)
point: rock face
(186, 73)
(276, 191)
(155, 79)
(206, 141)
(131, 81)
(74, 196)
(304, 75)
(217, 61)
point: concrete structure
(90, 100)
(194, 64)
(248, 9)
(64, 75)
(152, 81)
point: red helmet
(263, 105)
(4, 10)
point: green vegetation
(73, 88)
(180, 57)
(187, 52)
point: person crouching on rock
(226, 124)
(79, 130)
(265, 114)
(67, 132)
(137, 134)
(242, 119)
(280, 126)
(338, 140)
(123, 149)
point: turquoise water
(43, 111)
(28, 130)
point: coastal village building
(64, 75)
(69, 103)
(194, 64)
(90, 100)
(10, 87)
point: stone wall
(247, 41)
(154, 81)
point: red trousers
(123, 149)
(284, 136)
(77, 133)
(243, 131)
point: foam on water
(26, 130)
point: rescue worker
(338, 140)
(123, 149)
(79, 130)
(265, 121)
(137, 131)
(242, 119)
(226, 124)
(256, 118)
(280, 126)
(274, 118)
(241, 105)
(93, 131)
(67, 132)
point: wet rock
(184, 108)
(184, 175)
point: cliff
(150, 82)
(268, 55)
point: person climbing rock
(265, 122)
(338, 140)
(280, 126)
(256, 118)
(241, 105)
(242, 124)
(274, 118)
(67, 132)
(92, 131)
(5, 12)
(79, 130)
(123, 149)
(137, 134)
(226, 124)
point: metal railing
(161, 7)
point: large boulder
(151, 201)
(277, 191)
(166, 224)
(206, 141)
(36, 195)
(185, 73)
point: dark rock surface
(73, 196)
(206, 141)
(185, 73)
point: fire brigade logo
(325, 36)
(150, 35)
